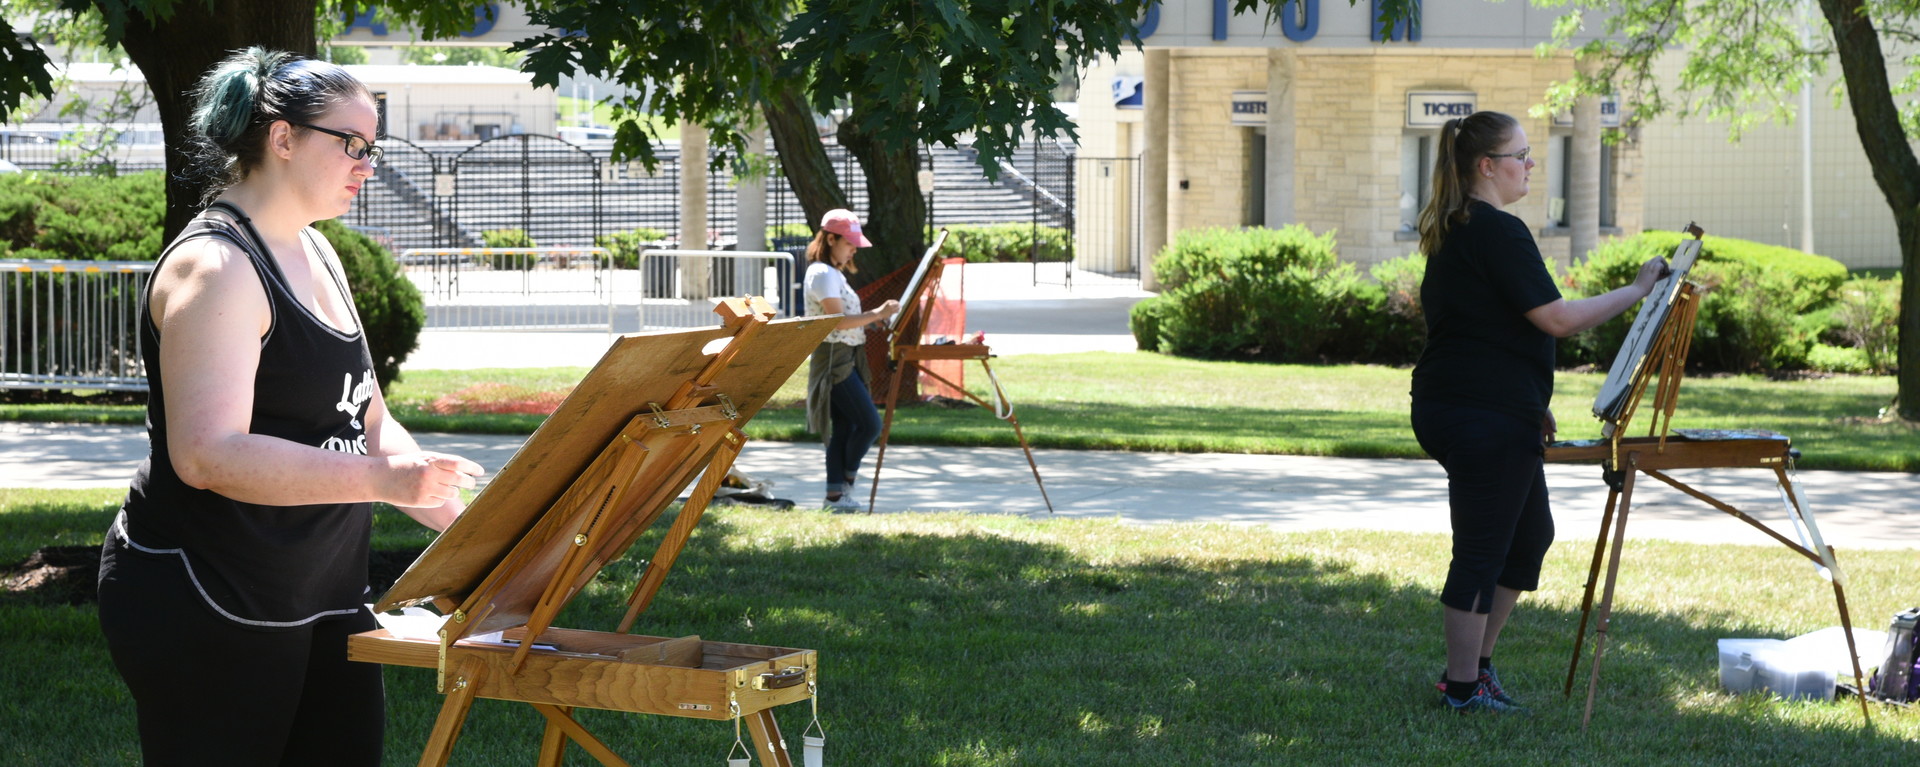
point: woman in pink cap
(839, 405)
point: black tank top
(264, 566)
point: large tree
(174, 42)
(1747, 58)
(903, 73)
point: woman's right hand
(427, 479)
(1654, 270)
(886, 309)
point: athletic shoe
(1489, 679)
(843, 505)
(1481, 702)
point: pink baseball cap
(842, 222)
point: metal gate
(71, 324)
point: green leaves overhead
(934, 70)
(708, 63)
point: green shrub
(82, 218)
(1761, 309)
(624, 247)
(990, 243)
(789, 236)
(1271, 294)
(1838, 359)
(1387, 326)
(390, 306)
(1866, 317)
(1144, 320)
(508, 238)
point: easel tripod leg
(767, 740)
(886, 430)
(553, 743)
(1593, 580)
(1846, 626)
(1606, 596)
(453, 714)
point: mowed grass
(1152, 402)
(949, 639)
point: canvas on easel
(907, 352)
(1656, 348)
(659, 410)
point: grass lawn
(950, 639)
(1099, 400)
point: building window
(1416, 177)
(1560, 181)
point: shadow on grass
(982, 644)
(977, 648)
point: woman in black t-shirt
(1482, 386)
(237, 566)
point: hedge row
(100, 218)
(977, 243)
(1283, 295)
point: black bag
(1899, 675)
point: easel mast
(906, 352)
(1622, 458)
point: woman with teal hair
(237, 566)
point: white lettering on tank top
(353, 397)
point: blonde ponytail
(1463, 141)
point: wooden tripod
(1662, 451)
(659, 410)
(906, 352)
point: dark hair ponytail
(237, 101)
(1463, 141)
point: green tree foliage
(1744, 59)
(906, 72)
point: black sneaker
(1489, 680)
(1481, 702)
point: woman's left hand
(1548, 428)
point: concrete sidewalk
(1855, 510)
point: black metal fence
(446, 194)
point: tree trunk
(803, 159)
(896, 218)
(175, 50)
(1895, 169)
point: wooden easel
(1622, 458)
(658, 410)
(905, 352)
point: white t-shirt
(824, 282)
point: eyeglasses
(1521, 155)
(356, 147)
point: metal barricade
(513, 288)
(679, 288)
(71, 324)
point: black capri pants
(213, 692)
(1497, 495)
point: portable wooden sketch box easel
(1657, 346)
(658, 410)
(906, 350)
